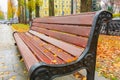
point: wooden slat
(47, 53)
(57, 51)
(77, 40)
(38, 54)
(60, 53)
(83, 19)
(76, 51)
(72, 29)
(27, 55)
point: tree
(25, 7)
(71, 6)
(51, 7)
(86, 5)
(22, 6)
(31, 7)
(10, 9)
(37, 8)
(20, 11)
(1, 15)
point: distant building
(61, 7)
(44, 9)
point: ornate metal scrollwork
(89, 59)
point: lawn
(20, 27)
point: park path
(11, 67)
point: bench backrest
(113, 27)
(73, 29)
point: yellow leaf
(13, 78)
(54, 61)
(77, 75)
(1, 73)
(59, 50)
(55, 55)
(4, 67)
(84, 78)
(24, 71)
(16, 65)
(21, 60)
(49, 48)
(7, 72)
(45, 51)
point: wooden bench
(112, 28)
(58, 46)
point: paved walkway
(11, 68)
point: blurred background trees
(29, 9)
(1, 14)
(11, 9)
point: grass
(20, 27)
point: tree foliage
(86, 5)
(21, 11)
(1, 15)
(31, 4)
(11, 9)
(39, 2)
(20, 3)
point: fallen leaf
(54, 61)
(21, 60)
(13, 78)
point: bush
(116, 15)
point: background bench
(57, 46)
(112, 28)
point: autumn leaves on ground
(108, 54)
(108, 57)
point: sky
(3, 5)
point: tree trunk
(25, 16)
(30, 14)
(71, 6)
(19, 11)
(37, 10)
(51, 7)
(86, 5)
(21, 14)
(12, 8)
